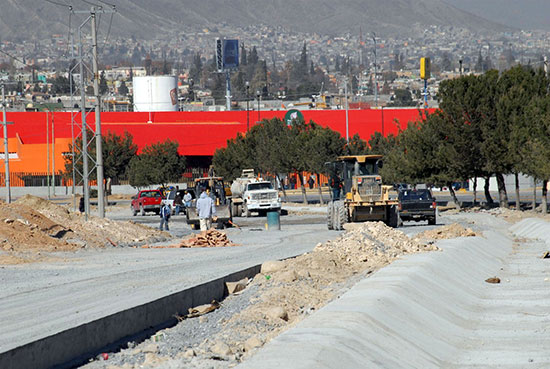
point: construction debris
(235, 287)
(493, 280)
(203, 309)
(210, 238)
(546, 255)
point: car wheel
(142, 210)
(431, 221)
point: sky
(523, 14)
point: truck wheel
(142, 210)
(246, 212)
(134, 211)
(431, 221)
(235, 210)
(340, 215)
(394, 220)
(330, 215)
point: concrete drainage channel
(435, 310)
(75, 346)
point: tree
(117, 154)
(158, 163)
(118, 151)
(402, 97)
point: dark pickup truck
(417, 205)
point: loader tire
(330, 215)
(340, 215)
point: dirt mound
(95, 232)
(449, 231)
(31, 225)
(23, 229)
(289, 290)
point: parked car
(146, 201)
(417, 205)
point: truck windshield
(260, 186)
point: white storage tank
(155, 93)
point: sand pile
(449, 231)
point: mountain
(28, 19)
(524, 14)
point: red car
(146, 200)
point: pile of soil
(95, 232)
(449, 231)
(24, 229)
(32, 225)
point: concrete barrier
(430, 310)
(76, 345)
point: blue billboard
(230, 54)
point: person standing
(335, 185)
(206, 209)
(165, 212)
(178, 202)
(187, 199)
(311, 182)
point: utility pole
(6, 151)
(347, 108)
(98, 143)
(375, 72)
(85, 172)
(247, 107)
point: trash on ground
(493, 280)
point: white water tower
(155, 93)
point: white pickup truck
(252, 195)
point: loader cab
(354, 166)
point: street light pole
(247, 107)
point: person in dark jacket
(165, 212)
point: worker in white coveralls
(206, 210)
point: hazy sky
(524, 14)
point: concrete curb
(76, 345)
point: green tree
(158, 163)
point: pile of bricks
(210, 238)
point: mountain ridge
(35, 19)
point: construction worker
(206, 209)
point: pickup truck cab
(146, 201)
(417, 205)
